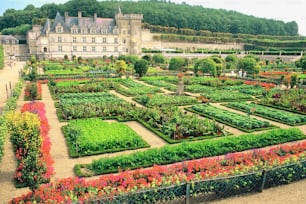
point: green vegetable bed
(269, 113)
(239, 121)
(188, 151)
(95, 136)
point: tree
(249, 64)
(301, 63)
(176, 63)
(121, 67)
(141, 67)
(231, 61)
(206, 65)
(158, 59)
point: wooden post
(187, 200)
(263, 180)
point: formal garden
(212, 135)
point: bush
(193, 150)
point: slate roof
(9, 38)
(80, 23)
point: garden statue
(180, 85)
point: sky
(286, 10)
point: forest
(156, 12)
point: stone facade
(88, 37)
(10, 46)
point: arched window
(45, 49)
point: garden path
(128, 99)
(8, 75)
(163, 89)
(8, 163)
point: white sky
(286, 10)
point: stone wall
(149, 42)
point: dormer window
(59, 28)
(73, 30)
(84, 30)
(93, 31)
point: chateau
(87, 36)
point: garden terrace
(239, 121)
(269, 113)
(293, 100)
(93, 136)
(188, 151)
(150, 100)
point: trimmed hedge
(188, 151)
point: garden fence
(212, 189)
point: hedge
(188, 151)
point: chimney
(79, 14)
(66, 17)
(95, 17)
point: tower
(129, 27)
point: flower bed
(188, 151)
(33, 91)
(161, 99)
(292, 100)
(239, 121)
(269, 113)
(144, 180)
(262, 84)
(94, 136)
(29, 135)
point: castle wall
(149, 42)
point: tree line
(163, 13)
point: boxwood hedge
(188, 151)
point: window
(74, 39)
(59, 29)
(59, 39)
(84, 39)
(60, 48)
(116, 49)
(116, 40)
(104, 49)
(93, 40)
(127, 50)
(74, 48)
(104, 40)
(123, 32)
(93, 31)
(93, 48)
(84, 30)
(73, 30)
(124, 41)
(84, 49)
